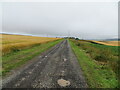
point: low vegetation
(17, 58)
(18, 49)
(9, 43)
(99, 63)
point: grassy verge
(17, 58)
(97, 75)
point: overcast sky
(88, 20)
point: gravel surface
(56, 68)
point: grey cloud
(86, 20)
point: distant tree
(72, 37)
(77, 39)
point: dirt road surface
(56, 68)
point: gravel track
(56, 68)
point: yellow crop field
(110, 43)
(17, 42)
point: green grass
(17, 58)
(97, 75)
(101, 53)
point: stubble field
(9, 43)
(109, 43)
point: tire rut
(57, 64)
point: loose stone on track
(63, 83)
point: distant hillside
(115, 39)
(15, 34)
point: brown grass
(9, 43)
